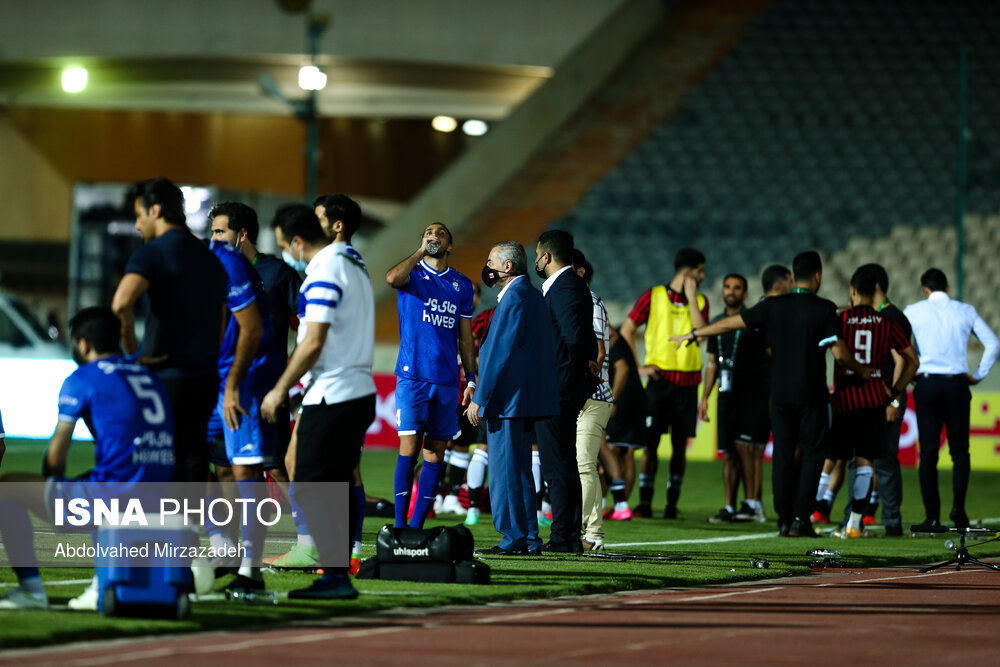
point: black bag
(442, 554)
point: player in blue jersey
(435, 314)
(127, 411)
(249, 365)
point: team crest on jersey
(454, 284)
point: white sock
(729, 508)
(306, 540)
(356, 549)
(447, 456)
(477, 468)
(218, 542)
(623, 505)
(829, 496)
(854, 521)
(824, 485)
(862, 482)
(459, 460)
(536, 470)
(546, 507)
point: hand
(893, 414)
(703, 411)
(269, 406)
(595, 370)
(649, 371)
(470, 391)
(147, 360)
(690, 287)
(683, 340)
(231, 408)
(472, 413)
(972, 380)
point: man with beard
(435, 305)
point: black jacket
(572, 311)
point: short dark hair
(881, 277)
(557, 243)
(934, 280)
(580, 262)
(806, 265)
(298, 220)
(772, 275)
(240, 217)
(451, 237)
(99, 326)
(863, 281)
(158, 191)
(341, 207)
(688, 258)
(738, 276)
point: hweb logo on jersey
(439, 313)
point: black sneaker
(893, 531)
(334, 588)
(724, 516)
(870, 510)
(244, 584)
(558, 548)
(745, 513)
(800, 528)
(670, 512)
(500, 551)
(928, 526)
(959, 518)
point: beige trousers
(590, 425)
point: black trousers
(802, 429)
(557, 450)
(192, 399)
(328, 450)
(943, 400)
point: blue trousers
(512, 488)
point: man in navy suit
(571, 311)
(517, 387)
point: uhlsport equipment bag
(442, 554)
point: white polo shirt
(338, 291)
(941, 328)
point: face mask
(490, 276)
(540, 271)
(297, 264)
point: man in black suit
(571, 308)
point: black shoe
(959, 518)
(243, 584)
(336, 588)
(535, 552)
(893, 531)
(783, 529)
(745, 513)
(670, 512)
(928, 526)
(801, 528)
(870, 510)
(724, 516)
(500, 551)
(824, 507)
(559, 548)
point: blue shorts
(256, 439)
(428, 408)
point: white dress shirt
(941, 328)
(551, 279)
(509, 283)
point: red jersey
(871, 337)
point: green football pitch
(714, 554)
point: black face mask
(540, 272)
(490, 276)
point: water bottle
(433, 247)
(823, 553)
(759, 563)
(253, 597)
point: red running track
(886, 616)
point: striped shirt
(870, 336)
(603, 391)
(640, 315)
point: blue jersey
(127, 411)
(429, 306)
(245, 288)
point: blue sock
(298, 516)
(430, 476)
(359, 493)
(252, 532)
(402, 483)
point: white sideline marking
(65, 582)
(704, 540)
(698, 598)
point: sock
(754, 504)
(674, 488)
(402, 483)
(546, 507)
(430, 475)
(359, 495)
(617, 490)
(477, 468)
(646, 489)
(829, 496)
(252, 532)
(457, 469)
(854, 521)
(447, 456)
(536, 470)
(298, 516)
(29, 579)
(218, 541)
(356, 549)
(862, 484)
(824, 484)
(873, 498)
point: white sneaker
(759, 515)
(596, 544)
(18, 598)
(87, 600)
(203, 573)
(452, 506)
(438, 504)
